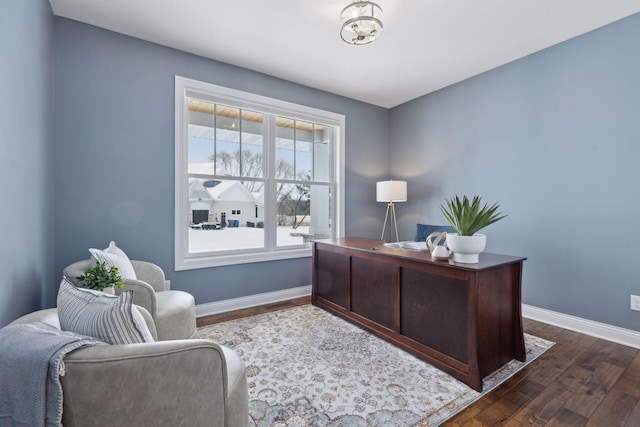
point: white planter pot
(466, 248)
(110, 290)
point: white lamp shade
(391, 191)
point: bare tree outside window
(293, 200)
(294, 205)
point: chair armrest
(72, 271)
(150, 273)
(143, 295)
(172, 383)
(48, 316)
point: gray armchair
(173, 312)
(190, 382)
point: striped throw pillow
(112, 319)
(114, 256)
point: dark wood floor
(580, 381)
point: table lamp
(390, 192)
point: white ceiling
(426, 44)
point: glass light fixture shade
(361, 22)
(391, 191)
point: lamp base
(391, 217)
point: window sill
(196, 262)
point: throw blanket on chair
(30, 388)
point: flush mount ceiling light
(361, 22)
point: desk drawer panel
(433, 311)
(332, 277)
(374, 292)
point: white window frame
(245, 100)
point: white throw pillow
(112, 319)
(114, 256)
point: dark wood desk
(465, 319)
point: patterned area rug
(307, 367)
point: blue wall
(26, 167)
(115, 155)
(555, 138)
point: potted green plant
(467, 217)
(102, 278)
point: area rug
(307, 367)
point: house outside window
(256, 178)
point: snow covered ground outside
(230, 238)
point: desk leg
(520, 350)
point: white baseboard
(584, 326)
(251, 301)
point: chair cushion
(112, 319)
(114, 256)
(176, 315)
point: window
(256, 177)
